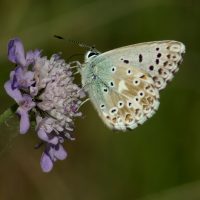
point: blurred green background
(159, 160)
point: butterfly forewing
(159, 59)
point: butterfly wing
(127, 101)
(159, 59)
(123, 85)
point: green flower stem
(8, 113)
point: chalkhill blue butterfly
(124, 84)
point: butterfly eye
(91, 54)
(136, 82)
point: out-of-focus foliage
(157, 161)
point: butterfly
(124, 84)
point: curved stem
(8, 113)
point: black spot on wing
(126, 61)
(159, 55)
(165, 63)
(157, 61)
(140, 58)
(151, 68)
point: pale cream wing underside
(160, 59)
(131, 101)
(126, 92)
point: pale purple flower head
(44, 88)
(20, 81)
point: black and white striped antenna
(80, 44)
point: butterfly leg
(83, 103)
(75, 65)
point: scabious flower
(43, 88)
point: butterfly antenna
(80, 44)
(75, 55)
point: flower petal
(27, 102)
(23, 78)
(16, 52)
(29, 75)
(14, 93)
(60, 154)
(46, 163)
(24, 120)
(44, 136)
(31, 56)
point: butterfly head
(91, 54)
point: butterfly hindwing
(131, 99)
(124, 96)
